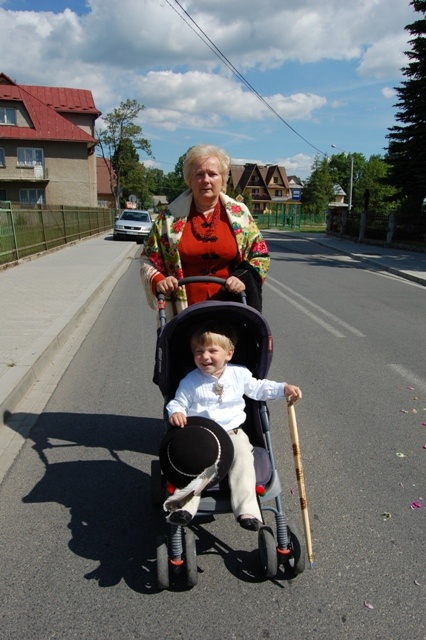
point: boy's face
(212, 358)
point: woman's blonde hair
(214, 333)
(202, 152)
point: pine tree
(407, 142)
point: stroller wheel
(156, 483)
(295, 562)
(163, 579)
(267, 552)
(191, 559)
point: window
(30, 157)
(275, 180)
(255, 192)
(2, 158)
(7, 115)
(278, 193)
(32, 196)
(2, 194)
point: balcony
(38, 173)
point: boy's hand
(178, 419)
(293, 392)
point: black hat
(187, 452)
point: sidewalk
(44, 300)
(410, 265)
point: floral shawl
(160, 253)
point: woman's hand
(178, 419)
(234, 285)
(168, 285)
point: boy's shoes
(180, 517)
(252, 524)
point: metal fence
(26, 230)
(389, 229)
(290, 217)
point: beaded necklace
(204, 230)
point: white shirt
(198, 395)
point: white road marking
(315, 306)
(419, 384)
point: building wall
(81, 120)
(69, 174)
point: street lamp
(351, 179)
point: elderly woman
(204, 232)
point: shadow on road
(112, 519)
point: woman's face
(206, 181)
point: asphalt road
(77, 530)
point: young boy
(215, 390)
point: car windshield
(141, 216)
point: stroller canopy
(173, 352)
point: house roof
(294, 181)
(271, 169)
(63, 99)
(46, 122)
(241, 174)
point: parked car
(134, 224)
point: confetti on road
(368, 605)
(416, 505)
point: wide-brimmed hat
(187, 452)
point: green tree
(120, 129)
(318, 190)
(340, 169)
(155, 180)
(373, 187)
(406, 152)
(174, 184)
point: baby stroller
(176, 552)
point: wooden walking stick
(294, 434)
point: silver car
(134, 224)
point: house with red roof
(47, 145)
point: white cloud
(190, 104)
(142, 49)
(137, 35)
(388, 92)
(384, 58)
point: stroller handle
(191, 279)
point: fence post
(63, 224)
(344, 222)
(43, 229)
(15, 239)
(362, 226)
(391, 228)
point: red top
(207, 248)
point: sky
(300, 76)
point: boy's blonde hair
(214, 333)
